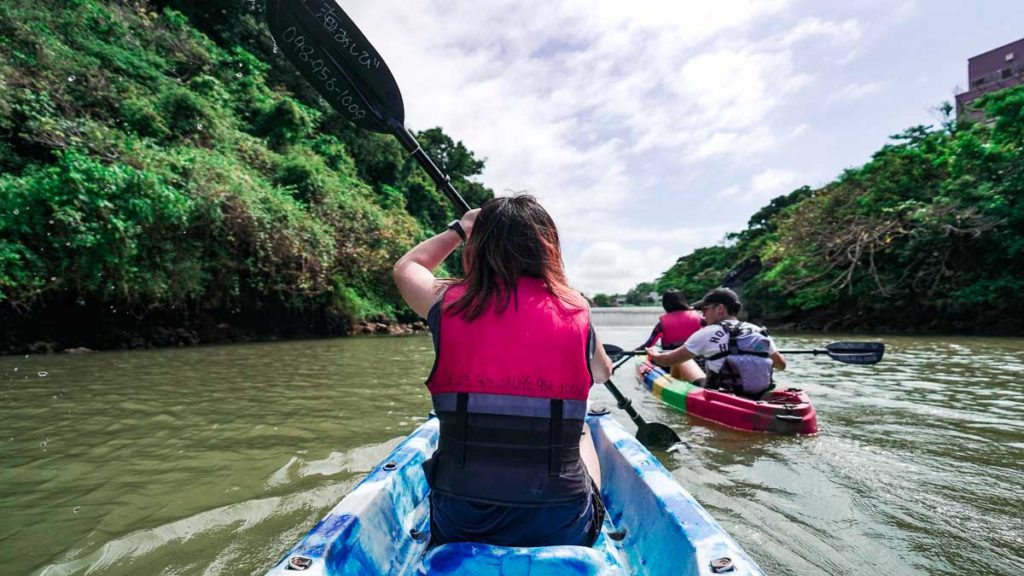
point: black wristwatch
(457, 227)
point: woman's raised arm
(414, 272)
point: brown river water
(216, 460)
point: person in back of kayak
(739, 356)
(678, 323)
(515, 356)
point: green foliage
(96, 230)
(699, 272)
(184, 113)
(143, 119)
(641, 295)
(304, 175)
(382, 162)
(929, 234)
(285, 123)
(144, 166)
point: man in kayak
(515, 356)
(678, 323)
(739, 356)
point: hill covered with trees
(166, 177)
(926, 236)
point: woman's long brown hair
(512, 237)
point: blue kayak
(653, 526)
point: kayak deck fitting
(781, 411)
(654, 526)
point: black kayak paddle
(330, 52)
(848, 352)
(650, 434)
(742, 272)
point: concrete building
(991, 71)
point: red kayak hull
(786, 411)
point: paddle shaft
(650, 434)
(443, 182)
(625, 403)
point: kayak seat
(472, 559)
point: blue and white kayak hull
(653, 527)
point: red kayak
(786, 411)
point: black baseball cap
(718, 296)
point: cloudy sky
(649, 128)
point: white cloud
(855, 91)
(735, 89)
(812, 28)
(764, 186)
(614, 266)
(771, 183)
(598, 107)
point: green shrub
(140, 116)
(284, 123)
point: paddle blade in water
(656, 435)
(330, 52)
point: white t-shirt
(714, 339)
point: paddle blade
(330, 52)
(743, 272)
(613, 352)
(616, 353)
(856, 352)
(657, 435)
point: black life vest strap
(462, 429)
(555, 438)
(733, 329)
(719, 356)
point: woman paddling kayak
(515, 358)
(679, 322)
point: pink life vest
(536, 347)
(510, 390)
(677, 326)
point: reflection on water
(216, 460)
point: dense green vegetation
(162, 166)
(166, 177)
(928, 235)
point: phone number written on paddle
(306, 53)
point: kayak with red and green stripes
(786, 411)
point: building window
(1007, 72)
(1009, 56)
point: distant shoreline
(204, 330)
